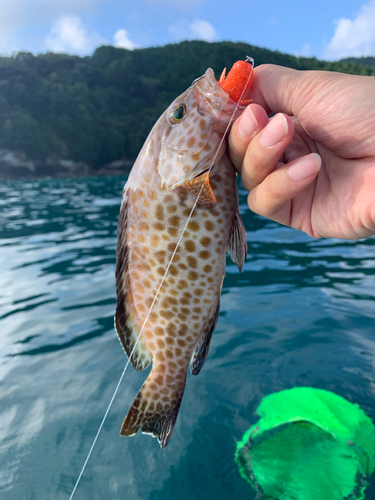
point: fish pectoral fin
(152, 411)
(237, 246)
(200, 188)
(203, 345)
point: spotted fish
(170, 176)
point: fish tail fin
(155, 407)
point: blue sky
(329, 29)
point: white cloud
(122, 40)
(16, 15)
(197, 30)
(8, 44)
(304, 51)
(69, 35)
(354, 37)
(203, 30)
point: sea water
(300, 314)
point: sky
(326, 29)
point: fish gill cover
(309, 444)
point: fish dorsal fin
(237, 246)
(125, 328)
(203, 345)
(200, 186)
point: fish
(171, 259)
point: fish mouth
(215, 104)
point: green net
(309, 444)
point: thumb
(275, 89)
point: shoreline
(15, 167)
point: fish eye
(179, 113)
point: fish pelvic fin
(237, 246)
(153, 412)
(203, 345)
(126, 330)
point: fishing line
(251, 61)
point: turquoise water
(301, 314)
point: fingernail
(305, 167)
(248, 124)
(275, 131)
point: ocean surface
(300, 314)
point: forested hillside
(364, 61)
(100, 108)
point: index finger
(244, 129)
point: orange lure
(238, 80)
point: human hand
(312, 166)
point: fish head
(194, 125)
